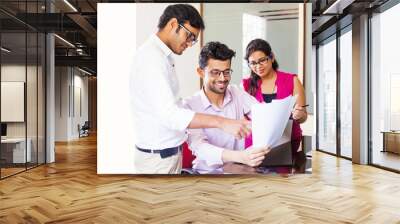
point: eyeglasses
(261, 61)
(190, 36)
(216, 73)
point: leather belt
(164, 153)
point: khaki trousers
(152, 163)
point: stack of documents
(270, 122)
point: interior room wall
(92, 107)
(227, 27)
(283, 36)
(186, 64)
(79, 105)
(34, 124)
(62, 113)
(16, 72)
(68, 82)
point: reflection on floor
(10, 169)
(386, 159)
(346, 152)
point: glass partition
(345, 93)
(327, 96)
(385, 89)
(14, 153)
(22, 77)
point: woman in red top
(266, 83)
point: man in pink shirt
(212, 147)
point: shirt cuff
(212, 155)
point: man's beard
(217, 90)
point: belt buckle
(168, 152)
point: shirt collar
(206, 102)
(165, 49)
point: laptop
(279, 156)
(3, 131)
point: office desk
(391, 141)
(13, 150)
(301, 164)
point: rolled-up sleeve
(202, 149)
(198, 143)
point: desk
(301, 164)
(15, 148)
(391, 141)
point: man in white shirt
(211, 146)
(159, 121)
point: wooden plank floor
(70, 191)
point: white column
(360, 90)
(50, 99)
(50, 92)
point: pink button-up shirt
(207, 144)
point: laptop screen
(3, 129)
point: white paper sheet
(287, 134)
(269, 121)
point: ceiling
(76, 22)
(330, 15)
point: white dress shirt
(207, 144)
(159, 120)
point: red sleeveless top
(285, 85)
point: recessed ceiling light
(5, 50)
(84, 71)
(64, 40)
(70, 5)
(337, 7)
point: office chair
(84, 130)
(187, 157)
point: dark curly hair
(215, 50)
(182, 13)
(253, 46)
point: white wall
(61, 103)
(67, 80)
(226, 28)
(81, 108)
(283, 38)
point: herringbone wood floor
(70, 191)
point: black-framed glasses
(190, 36)
(215, 73)
(261, 61)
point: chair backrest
(187, 157)
(86, 125)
